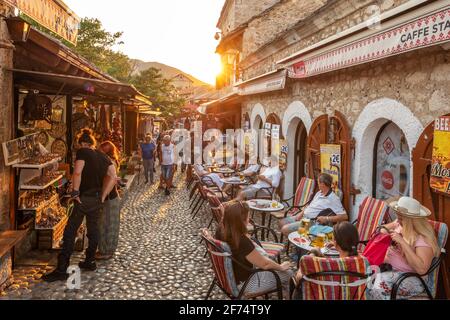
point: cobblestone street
(159, 256)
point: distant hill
(167, 71)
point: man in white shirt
(167, 162)
(269, 179)
(326, 207)
(215, 177)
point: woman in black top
(233, 230)
(93, 179)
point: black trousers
(90, 207)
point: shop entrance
(299, 153)
(392, 173)
(332, 130)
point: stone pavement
(159, 256)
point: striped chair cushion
(273, 249)
(311, 291)
(372, 213)
(303, 195)
(441, 234)
(223, 268)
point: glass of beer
(302, 230)
(241, 176)
(320, 240)
(307, 224)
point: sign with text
(266, 84)
(51, 14)
(440, 167)
(330, 162)
(422, 32)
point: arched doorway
(271, 121)
(299, 153)
(392, 170)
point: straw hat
(408, 207)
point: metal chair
(222, 264)
(430, 286)
(334, 279)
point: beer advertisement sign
(440, 167)
(330, 162)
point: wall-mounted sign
(440, 168)
(330, 162)
(422, 32)
(18, 150)
(54, 15)
(283, 154)
(270, 83)
(268, 129)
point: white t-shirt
(254, 168)
(272, 173)
(167, 154)
(200, 170)
(322, 202)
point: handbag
(377, 247)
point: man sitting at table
(269, 179)
(326, 208)
(214, 177)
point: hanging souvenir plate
(59, 147)
(43, 138)
(58, 130)
(80, 121)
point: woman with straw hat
(414, 246)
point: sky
(179, 33)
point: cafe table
(223, 170)
(264, 207)
(304, 244)
(234, 182)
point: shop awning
(272, 81)
(426, 26)
(72, 85)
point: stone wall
(6, 108)
(410, 89)
(331, 19)
(419, 80)
(239, 12)
(282, 17)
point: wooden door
(437, 202)
(318, 135)
(339, 133)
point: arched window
(392, 163)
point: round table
(264, 207)
(304, 243)
(235, 181)
(224, 171)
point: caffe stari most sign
(54, 15)
(422, 32)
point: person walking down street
(93, 179)
(110, 215)
(167, 162)
(147, 152)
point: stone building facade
(385, 106)
(408, 89)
